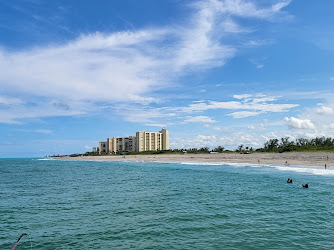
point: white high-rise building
(152, 141)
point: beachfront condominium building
(102, 147)
(143, 141)
(152, 141)
(121, 145)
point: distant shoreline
(300, 158)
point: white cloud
(231, 26)
(245, 8)
(298, 123)
(205, 50)
(38, 109)
(264, 99)
(93, 67)
(251, 127)
(250, 104)
(258, 127)
(257, 43)
(209, 126)
(332, 78)
(124, 66)
(43, 131)
(244, 96)
(40, 131)
(243, 114)
(160, 125)
(324, 110)
(200, 119)
(257, 63)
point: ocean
(150, 205)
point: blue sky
(215, 72)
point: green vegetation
(301, 145)
(90, 154)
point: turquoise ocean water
(140, 205)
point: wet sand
(305, 159)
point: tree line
(300, 144)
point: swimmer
(289, 180)
(305, 186)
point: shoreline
(306, 159)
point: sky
(214, 72)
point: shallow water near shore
(151, 205)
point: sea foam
(314, 170)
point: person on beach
(289, 180)
(305, 186)
(286, 163)
(325, 166)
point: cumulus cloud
(324, 110)
(299, 123)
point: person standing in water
(305, 186)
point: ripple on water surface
(104, 205)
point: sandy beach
(306, 159)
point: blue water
(122, 205)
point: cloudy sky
(213, 72)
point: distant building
(95, 149)
(143, 141)
(121, 145)
(152, 141)
(102, 147)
